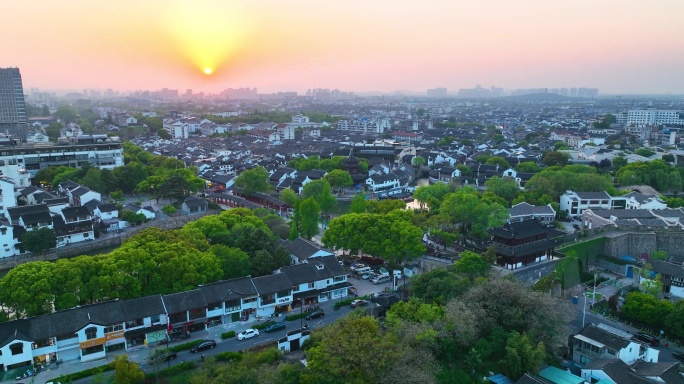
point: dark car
(165, 355)
(315, 315)
(274, 327)
(206, 344)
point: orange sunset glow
(617, 46)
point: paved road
(232, 345)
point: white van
(363, 270)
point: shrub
(263, 325)
(228, 356)
(186, 346)
(295, 317)
(85, 373)
(227, 335)
(176, 369)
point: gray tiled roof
(184, 301)
(143, 307)
(524, 209)
(593, 195)
(228, 290)
(271, 283)
(604, 337)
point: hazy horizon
(620, 47)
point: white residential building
(648, 117)
(573, 203)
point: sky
(620, 47)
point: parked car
(315, 315)
(166, 355)
(646, 338)
(247, 334)
(358, 303)
(274, 327)
(206, 344)
(380, 280)
(368, 276)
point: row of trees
(143, 172)
(656, 313)
(232, 244)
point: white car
(248, 334)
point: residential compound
(93, 331)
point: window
(284, 293)
(311, 285)
(86, 234)
(113, 328)
(155, 319)
(295, 288)
(91, 333)
(337, 279)
(17, 348)
(134, 323)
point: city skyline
(618, 47)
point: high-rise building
(12, 106)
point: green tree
(438, 286)
(53, 131)
(619, 162)
(66, 113)
(351, 350)
(117, 196)
(647, 309)
(176, 186)
(39, 240)
(506, 188)
(289, 196)
(500, 161)
(234, 262)
(310, 213)
(659, 255)
(384, 206)
(126, 371)
(522, 356)
(152, 186)
(254, 180)
(26, 289)
(674, 322)
(528, 167)
(338, 179)
(358, 204)
(321, 192)
(418, 161)
(169, 210)
(555, 158)
(472, 265)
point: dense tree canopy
(254, 180)
(391, 236)
(233, 244)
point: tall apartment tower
(12, 106)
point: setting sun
(207, 71)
